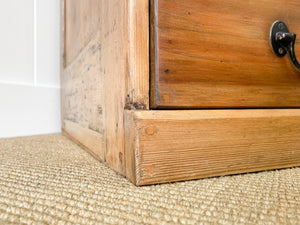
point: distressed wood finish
(82, 21)
(90, 140)
(105, 92)
(167, 146)
(138, 61)
(104, 71)
(216, 54)
(82, 96)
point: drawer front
(216, 54)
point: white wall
(29, 67)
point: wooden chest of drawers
(170, 90)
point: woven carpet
(49, 180)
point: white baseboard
(29, 110)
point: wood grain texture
(138, 55)
(82, 21)
(131, 147)
(105, 72)
(216, 54)
(169, 146)
(82, 95)
(88, 139)
(114, 69)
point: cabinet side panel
(83, 97)
(82, 22)
(113, 70)
(104, 70)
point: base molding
(174, 145)
(27, 110)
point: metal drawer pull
(282, 41)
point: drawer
(204, 54)
(217, 54)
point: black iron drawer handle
(282, 41)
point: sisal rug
(49, 180)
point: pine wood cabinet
(210, 54)
(170, 90)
